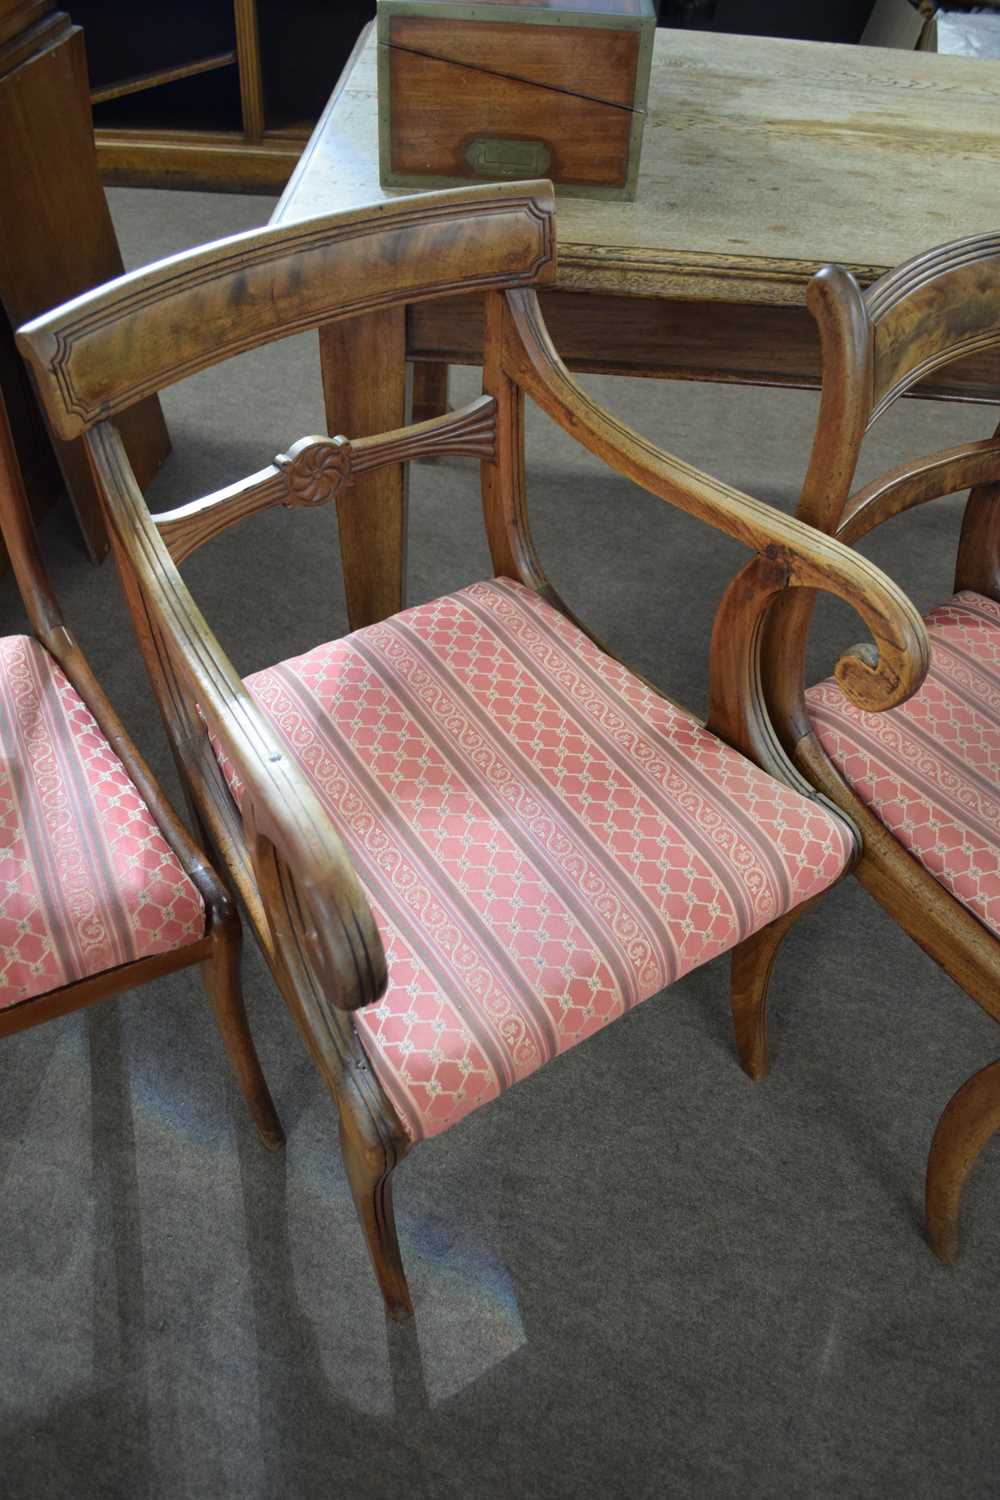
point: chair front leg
(221, 973)
(370, 1166)
(970, 1119)
(751, 966)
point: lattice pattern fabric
(930, 769)
(87, 880)
(545, 842)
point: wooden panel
(19, 16)
(683, 340)
(590, 7)
(32, 444)
(56, 236)
(595, 61)
(99, 354)
(626, 335)
(439, 109)
(943, 304)
(156, 78)
(213, 161)
(429, 393)
(251, 83)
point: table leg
(430, 389)
(364, 385)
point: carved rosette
(315, 470)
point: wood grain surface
(56, 235)
(762, 160)
(155, 326)
(596, 62)
(439, 108)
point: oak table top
(762, 159)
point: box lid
(473, 36)
(614, 8)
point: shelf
(219, 94)
(144, 81)
(211, 161)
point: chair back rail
(936, 308)
(100, 353)
(315, 470)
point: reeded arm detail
(320, 913)
(797, 556)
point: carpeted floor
(635, 1275)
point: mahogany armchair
(102, 889)
(921, 782)
(466, 836)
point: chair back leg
(970, 1119)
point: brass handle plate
(492, 156)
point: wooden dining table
(762, 160)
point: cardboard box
(895, 23)
(958, 30)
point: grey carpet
(636, 1274)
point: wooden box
(503, 89)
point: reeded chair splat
(921, 782)
(466, 836)
(101, 889)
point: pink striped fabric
(87, 880)
(545, 842)
(930, 769)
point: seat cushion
(87, 880)
(930, 769)
(545, 842)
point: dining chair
(101, 889)
(920, 781)
(466, 836)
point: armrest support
(800, 556)
(311, 895)
(945, 473)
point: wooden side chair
(466, 836)
(101, 889)
(922, 781)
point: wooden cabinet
(212, 93)
(56, 238)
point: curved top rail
(98, 354)
(937, 307)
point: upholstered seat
(930, 769)
(87, 880)
(544, 840)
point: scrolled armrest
(876, 677)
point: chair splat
(316, 469)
